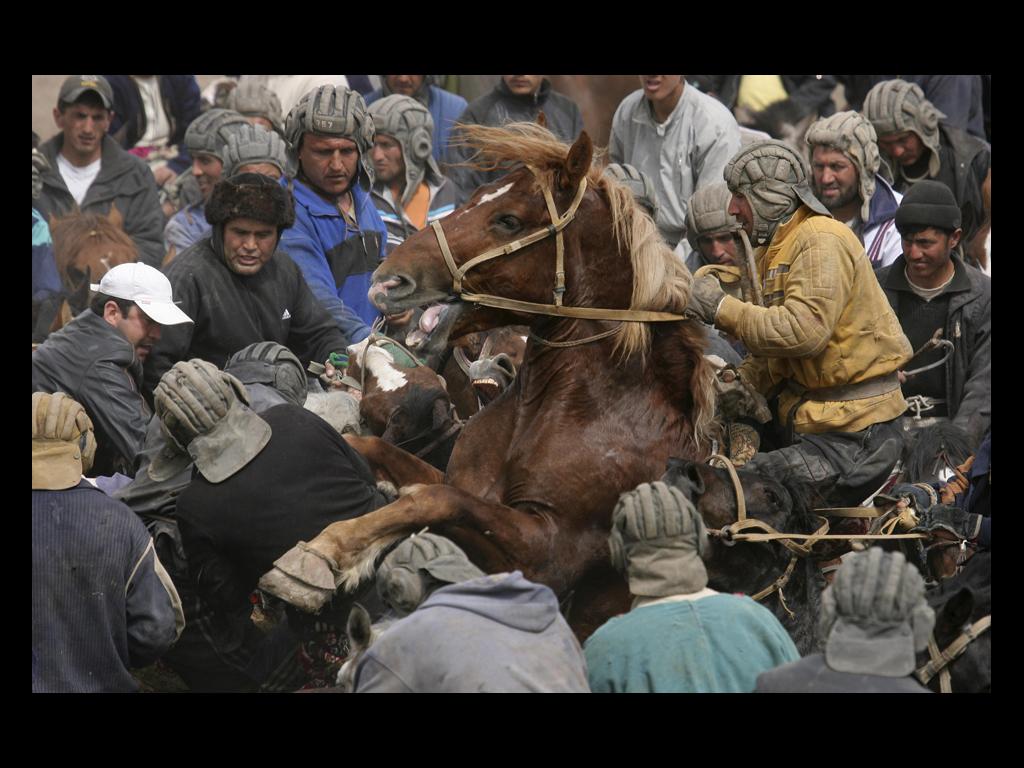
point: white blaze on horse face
(489, 197)
(380, 363)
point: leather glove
(962, 524)
(920, 495)
(743, 443)
(705, 295)
(735, 399)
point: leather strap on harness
(558, 223)
(940, 660)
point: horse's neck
(591, 363)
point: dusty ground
(44, 99)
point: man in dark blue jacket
(102, 603)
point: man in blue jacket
(338, 238)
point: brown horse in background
(86, 246)
(597, 407)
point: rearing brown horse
(598, 405)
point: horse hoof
(294, 591)
(302, 577)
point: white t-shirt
(158, 128)
(78, 179)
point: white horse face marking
(489, 197)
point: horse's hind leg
(391, 463)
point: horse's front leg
(496, 537)
(388, 462)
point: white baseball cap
(147, 287)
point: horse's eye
(508, 222)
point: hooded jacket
(498, 634)
(125, 181)
(500, 107)
(94, 363)
(180, 97)
(825, 323)
(444, 107)
(231, 311)
(969, 327)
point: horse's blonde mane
(660, 280)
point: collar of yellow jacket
(788, 227)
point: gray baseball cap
(76, 85)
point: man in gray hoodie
(467, 632)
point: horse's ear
(542, 120)
(955, 613)
(358, 628)
(577, 163)
(115, 217)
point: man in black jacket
(97, 359)
(239, 288)
(930, 288)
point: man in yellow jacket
(825, 341)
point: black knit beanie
(928, 204)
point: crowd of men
(173, 461)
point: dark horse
(534, 476)
(958, 602)
(750, 567)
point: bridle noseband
(558, 223)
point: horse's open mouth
(435, 325)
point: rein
(940, 660)
(558, 223)
(734, 532)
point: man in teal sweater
(681, 636)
